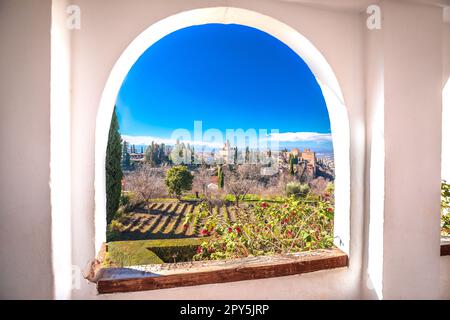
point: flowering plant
(262, 228)
(445, 209)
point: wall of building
(403, 84)
(412, 116)
(117, 25)
(444, 267)
(25, 219)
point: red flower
(290, 233)
(199, 250)
(238, 230)
(230, 230)
(185, 226)
(204, 231)
(330, 209)
(264, 205)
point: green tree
(153, 154)
(178, 180)
(220, 177)
(113, 169)
(148, 153)
(126, 155)
(235, 155)
(297, 189)
(162, 153)
(192, 155)
(291, 165)
(247, 155)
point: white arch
(227, 15)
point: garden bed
(145, 252)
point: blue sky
(228, 77)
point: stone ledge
(171, 275)
(445, 246)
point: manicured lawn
(142, 252)
(163, 220)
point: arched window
(162, 141)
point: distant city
(184, 153)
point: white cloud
(147, 140)
(299, 137)
(272, 137)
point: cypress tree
(126, 155)
(148, 154)
(113, 169)
(220, 181)
(291, 165)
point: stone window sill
(171, 275)
(445, 246)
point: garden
(173, 216)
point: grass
(142, 252)
(130, 253)
(164, 219)
(255, 197)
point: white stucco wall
(444, 270)
(110, 23)
(413, 77)
(25, 143)
(371, 279)
(406, 59)
(410, 69)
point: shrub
(297, 189)
(125, 199)
(170, 254)
(269, 228)
(116, 225)
(141, 252)
(179, 180)
(130, 253)
(113, 231)
(445, 209)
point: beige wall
(25, 250)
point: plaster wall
(117, 24)
(412, 117)
(444, 267)
(409, 69)
(25, 213)
(403, 82)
